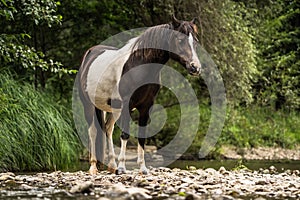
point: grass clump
(35, 133)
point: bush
(35, 133)
(261, 126)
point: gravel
(161, 183)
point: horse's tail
(101, 136)
(92, 114)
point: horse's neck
(146, 57)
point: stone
(266, 171)
(210, 171)
(187, 180)
(7, 176)
(191, 196)
(162, 183)
(163, 195)
(272, 168)
(83, 187)
(192, 168)
(223, 170)
(26, 187)
(120, 190)
(261, 182)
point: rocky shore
(161, 183)
(261, 153)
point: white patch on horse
(122, 157)
(92, 134)
(141, 160)
(104, 76)
(195, 58)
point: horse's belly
(103, 79)
(101, 103)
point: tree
(224, 31)
(279, 54)
(22, 39)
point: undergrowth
(35, 133)
(261, 126)
(248, 127)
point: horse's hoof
(144, 172)
(112, 170)
(121, 170)
(93, 170)
(101, 167)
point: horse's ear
(175, 21)
(194, 20)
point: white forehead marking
(195, 56)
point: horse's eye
(180, 41)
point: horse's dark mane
(155, 38)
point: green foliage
(224, 31)
(35, 133)
(36, 11)
(7, 9)
(279, 55)
(22, 40)
(240, 166)
(244, 127)
(255, 126)
(255, 45)
(22, 57)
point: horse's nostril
(193, 69)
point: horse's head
(184, 42)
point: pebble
(82, 187)
(223, 170)
(6, 176)
(192, 168)
(161, 183)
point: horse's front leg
(141, 154)
(143, 119)
(122, 156)
(124, 122)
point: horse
(110, 92)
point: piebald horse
(105, 90)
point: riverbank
(161, 183)
(260, 153)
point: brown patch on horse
(195, 28)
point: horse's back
(88, 58)
(101, 72)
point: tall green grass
(35, 133)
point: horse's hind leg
(101, 137)
(97, 139)
(143, 120)
(93, 159)
(110, 121)
(89, 111)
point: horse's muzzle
(194, 70)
